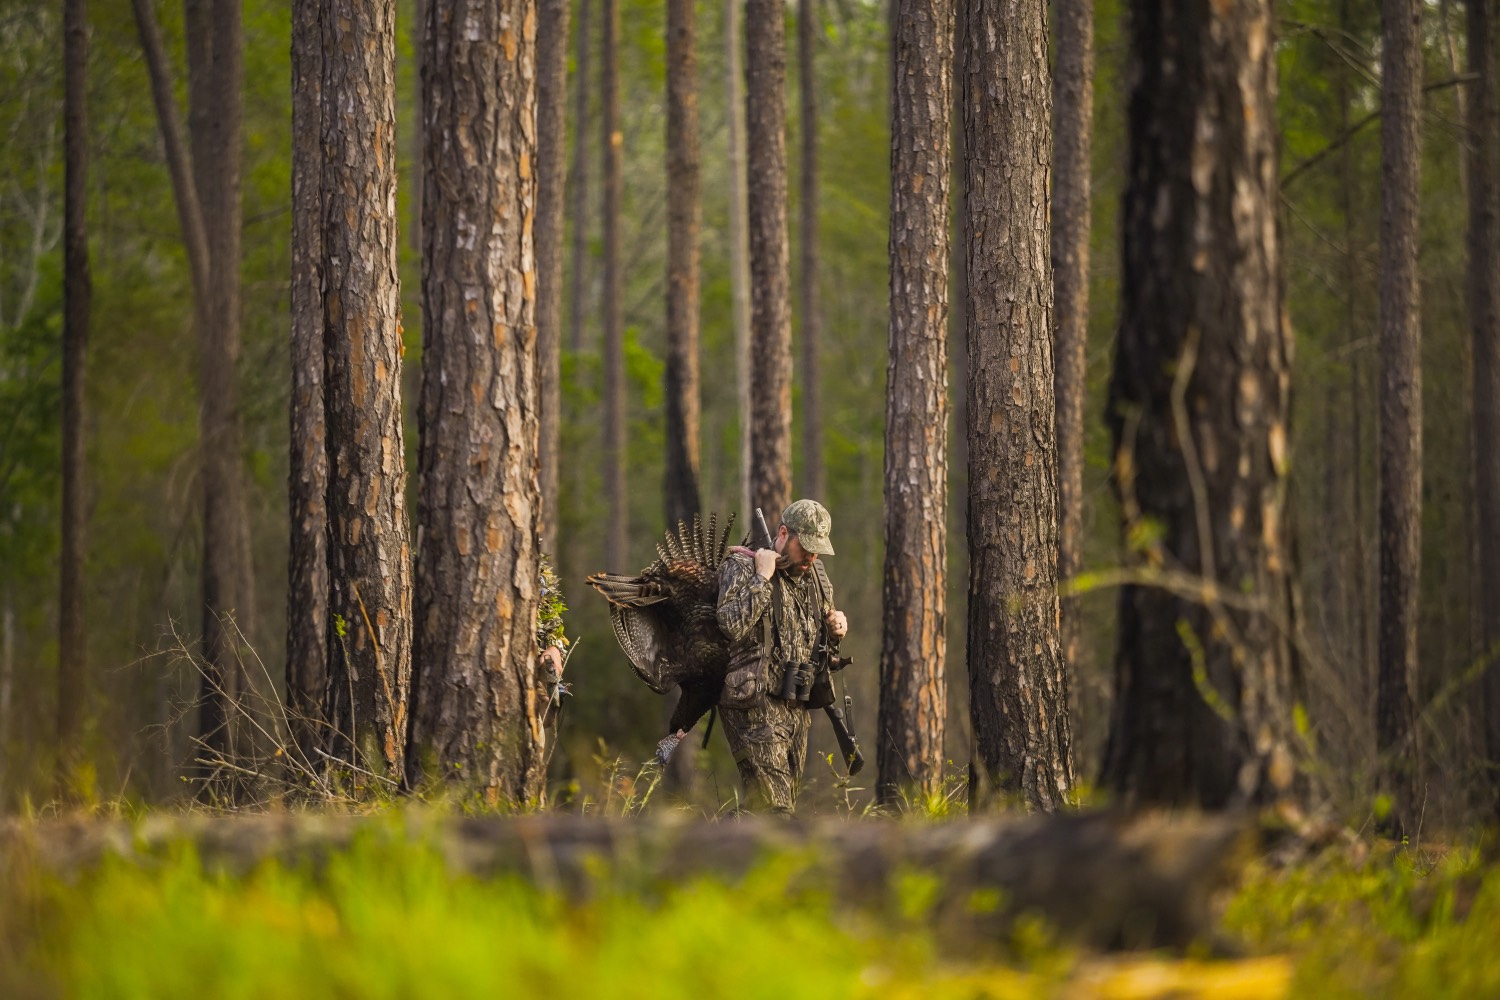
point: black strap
(713, 713)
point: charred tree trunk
(739, 239)
(72, 676)
(1072, 111)
(809, 372)
(770, 280)
(1484, 316)
(683, 214)
(369, 558)
(478, 703)
(215, 49)
(1400, 408)
(1018, 688)
(616, 540)
(307, 564)
(913, 687)
(580, 169)
(551, 156)
(1198, 407)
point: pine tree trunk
(616, 539)
(739, 239)
(1073, 111)
(478, 704)
(418, 131)
(1400, 408)
(809, 372)
(307, 563)
(72, 670)
(551, 155)
(913, 686)
(770, 278)
(680, 489)
(1484, 315)
(1018, 688)
(369, 558)
(580, 181)
(215, 48)
(1198, 411)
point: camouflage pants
(769, 743)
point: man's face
(794, 558)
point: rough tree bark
(680, 488)
(770, 279)
(580, 181)
(72, 683)
(809, 373)
(1018, 690)
(1400, 408)
(307, 493)
(913, 688)
(478, 703)
(739, 237)
(551, 156)
(616, 538)
(369, 558)
(1198, 408)
(1072, 116)
(1484, 316)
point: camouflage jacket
(792, 607)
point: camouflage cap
(810, 522)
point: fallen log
(1099, 879)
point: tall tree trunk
(1073, 111)
(478, 702)
(739, 238)
(215, 48)
(770, 278)
(1018, 686)
(684, 212)
(307, 563)
(913, 688)
(1198, 410)
(7, 677)
(1358, 586)
(616, 538)
(1400, 408)
(551, 156)
(369, 558)
(72, 676)
(418, 129)
(581, 80)
(214, 682)
(1484, 315)
(179, 164)
(809, 372)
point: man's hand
(551, 662)
(837, 624)
(765, 563)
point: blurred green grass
(386, 918)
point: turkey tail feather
(626, 591)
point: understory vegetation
(386, 917)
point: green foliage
(386, 918)
(1399, 926)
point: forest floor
(382, 916)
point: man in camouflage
(773, 605)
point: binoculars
(797, 682)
